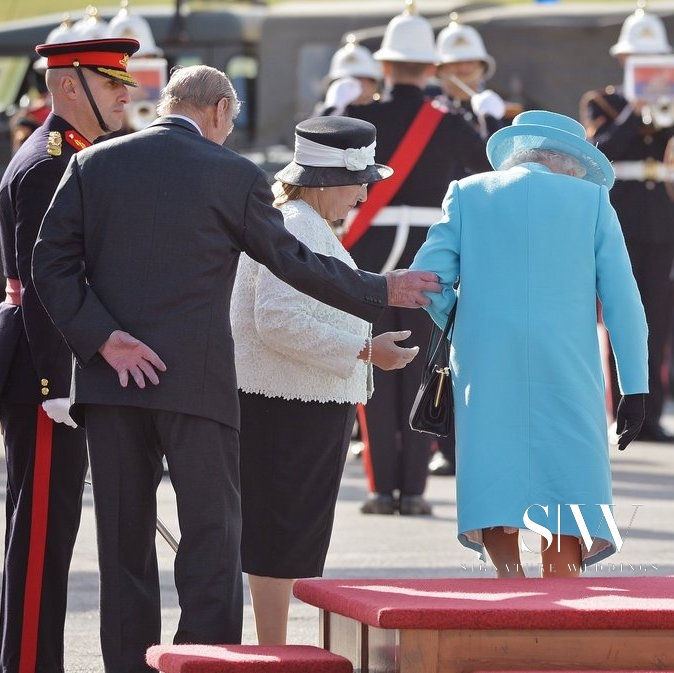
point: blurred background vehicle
(278, 55)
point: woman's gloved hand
(629, 418)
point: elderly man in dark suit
(135, 263)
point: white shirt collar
(187, 119)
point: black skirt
(292, 459)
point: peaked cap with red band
(107, 57)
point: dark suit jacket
(32, 350)
(144, 235)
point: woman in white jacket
(302, 367)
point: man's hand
(58, 409)
(629, 418)
(406, 288)
(129, 356)
(386, 354)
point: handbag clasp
(443, 372)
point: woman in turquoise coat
(535, 244)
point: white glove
(58, 410)
(488, 102)
(342, 92)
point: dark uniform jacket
(159, 218)
(465, 109)
(35, 361)
(454, 149)
(645, 209)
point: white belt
(392, 216)
(643, 170)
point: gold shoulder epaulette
(54, 144)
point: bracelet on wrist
(368, 359)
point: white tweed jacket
(288, 344)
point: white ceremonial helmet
(90, 26)
(408, 37)
(642, 33)
(62, 33)
(128, 25)
(458, 42)
(353, 60)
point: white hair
(196, 87)
(556, 161)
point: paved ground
(379, 546)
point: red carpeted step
(241, 658)
(486, 603)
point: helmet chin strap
(92, 102)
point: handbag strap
(448, 331)
(450, 323)
(402, 161)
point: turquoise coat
(534, 249)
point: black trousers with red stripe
(30, 597)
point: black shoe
(440, 466)
(653, 432)
(414, 505)
(379, 503)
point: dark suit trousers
(399, 454)
(126, 445)
(38, 598)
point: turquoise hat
(536, 129)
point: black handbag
(433, 407)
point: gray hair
(556, 161)
(196, 86)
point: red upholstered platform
(605, 603)
(241, 658)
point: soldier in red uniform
(45, 450)
(399, 455)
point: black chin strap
(91, 100)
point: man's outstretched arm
(406, 288)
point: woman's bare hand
(386, 354)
